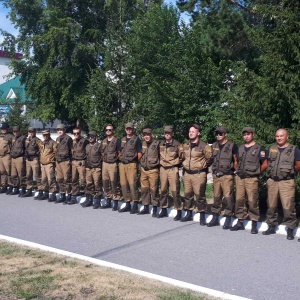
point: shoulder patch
(273, 150)
(262, 153)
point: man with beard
(197, 157)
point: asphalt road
(252, 266)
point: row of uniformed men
(94, 166)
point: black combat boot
(23, 192)
(9, 190)
(202, 219)
(73, 200)
(154, 211)
(270, 230)
(290, 234)
(61, 199)
(52, 197)
(96, 204)
(227, 223)
(144, 211)
(39, 195)
(214, 221)
(46, 197)
(107, 205)
(68, 199)
(115, 205)
(27, 194)
(238, 226)
(178, 216)
(126, 208)
(254, 229)
(187, 217)
(3, 189)
(15, 191)
(163, 213)
(88, 201)
(135, 208)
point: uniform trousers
(247, 189)
(33, 169)
(110, 180)
(48, 182)
(169, 178)
(5, 169)
(93, 182)
(285, 191)
(78, 176)
(129, 181)
(64, 176)
(223, 192)
(149, 187)
(18, 172)
(195, 187)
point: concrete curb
(174, 282)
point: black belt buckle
(276, 178)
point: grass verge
(27, 273)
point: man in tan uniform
(197, 158)
(63, 164)
(251, 163)
(18, 168)
(284, 163)
(5, 158)
(78, 164)
(93, 172)
(170, 151)
(110, 178)
(149, 172)
(130, 152)
(33, 166)
(47, 159)
(224, 163)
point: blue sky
(5, 23)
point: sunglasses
(91, 136)
(108, 130)
(220, 134)
(76, 133)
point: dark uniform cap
(4, 126)
(60, 126)
(93, 133)
(129, 125)
(221, 129)
(31, 129)
(147, 130)
(248, 129)
(16, 128)
(168, 128)
(47, 131)
(196, 126)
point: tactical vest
(93, 155)
(282, 164)
(169, 155)
(109, 150)
(79, 149)
(5, 143)
(128, 152)
(222, 159)
(31, 148)
(63, 152)
(18, 147)
(47, 151)
(249, 164)
(198, 157)
(150, 156)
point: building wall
(4, 69)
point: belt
(276, 178)
(129, 162)
(148, 169)
(248, 176)
(31, 158)
(169, 167)
(62, 160)
(195, 171)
